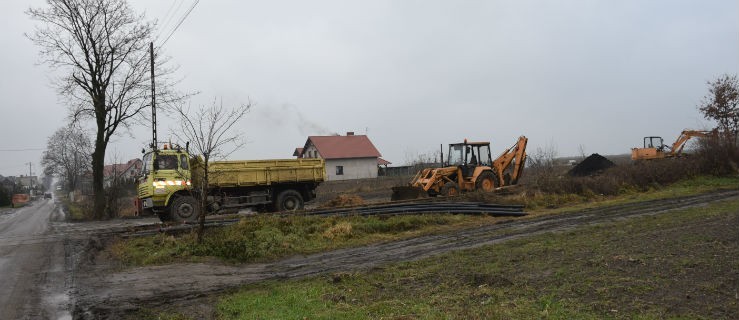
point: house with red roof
(347, 157)
(122, 172)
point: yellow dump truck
(171, 180)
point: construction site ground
(100, 288)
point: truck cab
(165, 173)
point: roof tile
(341, 147)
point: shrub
(4, 198)
(643, 175)
(718, 156)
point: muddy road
(103, 292)
(32, 264)
(39, 253)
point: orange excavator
(654, 147)
(469, 167)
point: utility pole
(30, 180)
(153, 100)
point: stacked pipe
(423, 207)
(399, 208)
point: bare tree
(209, 132)
(541, 164)
(722, 105)
(581, 150)
(67, 155)
(100, 49)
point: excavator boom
(677, 147)
(516, 154)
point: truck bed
(248, 173)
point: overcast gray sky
(411, 74)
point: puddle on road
(58, 306)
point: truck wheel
(289, 200)
(450, 189)
(184, 209)
(486, 182)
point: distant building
(347, 157)
(122, 172)
(27, 182)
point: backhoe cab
(470, 160)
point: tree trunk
(203, 200)
(98, 160)
(98, 164)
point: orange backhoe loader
(469, 167)
(654, 147)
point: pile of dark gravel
(592, 165)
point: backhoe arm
(677, 147)
(516, 152)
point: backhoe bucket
(407, 193)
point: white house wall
(311, 152)
(355, 168)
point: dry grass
(343, 200)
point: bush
(642, 176)
(718, 156)
(4, 198)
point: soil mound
(592, 165)
(344, 200)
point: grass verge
(680, 264)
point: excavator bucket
(408, 193)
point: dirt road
(103, 293)
(32, 262)
(39, 252)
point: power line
(168, 17)
(180, 22)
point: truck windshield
(167, 162)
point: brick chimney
(349, 133)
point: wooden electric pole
(153, 100)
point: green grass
(673, 265)
(78, 211)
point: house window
(339, 170)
